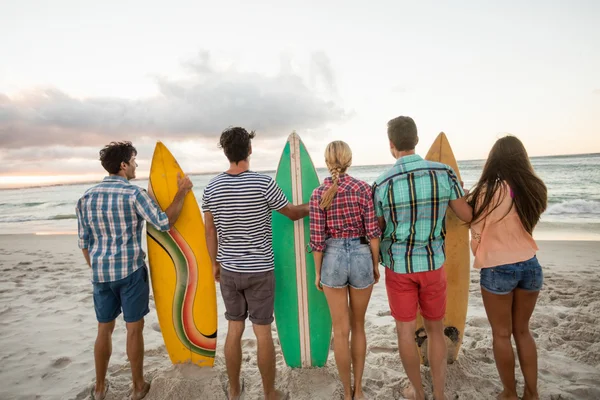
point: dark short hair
(235, 142)
(402, 131)
(113, 154)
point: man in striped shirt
(110, 220)
(237, 207)
(411, 200)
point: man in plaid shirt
(110, 219)
(411, 200)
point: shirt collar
(114, 178)
(409, 159)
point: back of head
(338, 158)
(402, 132)
(235, 142)
(508, 161)
(115, 153)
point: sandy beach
(48, 330)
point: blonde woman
(344, 238)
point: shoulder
(384, 177)
(360, 185)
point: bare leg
(359, 300)
(523, 306)
(338, 306)
(233, 356)
(499, 311)
(266, 361)
(410, 359)
(102, 353)
(135, 353)
(437, 354)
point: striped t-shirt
(241, 206)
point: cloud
(201, 106)
(597, 91)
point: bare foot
(529, 396)
(236, 396)
(359, 395)
(100, 393)
(411, 394)
(279, 395)
(139, 395)
(505, 395)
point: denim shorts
(503, 279)
(347, 262)
(131, 294)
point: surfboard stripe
(295, 161)
(185, 288)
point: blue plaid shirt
(110, 220)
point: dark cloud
(198, 107)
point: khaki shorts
(248, 294)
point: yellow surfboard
(181, 272)
(456, 265)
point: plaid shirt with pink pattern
(351, 214)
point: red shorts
(424, 290)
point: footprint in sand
(156, 327)
(61, 362)
(24, 263)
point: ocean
(573, 186)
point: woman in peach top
(507, 203)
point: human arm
(86, 255)
(147, 208)
(373, 231)
(318, 257)
(184, 185)
(458, 201)
(318, 220)
(83, 233)
(294, 212)
(462, 209)
(212, 243)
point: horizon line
(34, 186)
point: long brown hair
(338, 158)
(508, 161)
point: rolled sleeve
(456, 190)
(318, 222)
(372, 229)
(83, 231)
(150, 211)
(275, 196)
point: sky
(76, 75)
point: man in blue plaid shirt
(111, 218)
(411, 200)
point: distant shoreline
(83, 182)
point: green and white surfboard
(301, 311)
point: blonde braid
(338, 158)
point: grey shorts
(347, 262)
(248, 294)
